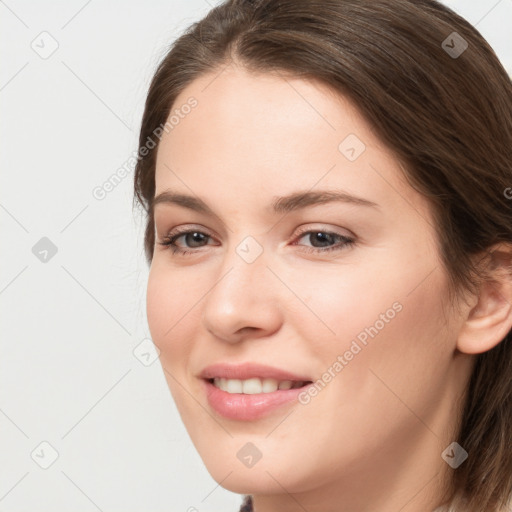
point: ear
(490, 320)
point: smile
(248, 391)
(255, 385)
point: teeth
(269, 385)
(251, 386)
(254, 385)
(232, 385)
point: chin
(249, 481)
(267, 476)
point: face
(279, 279)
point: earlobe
(490, 320)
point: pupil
(326, 238)
(194, 237)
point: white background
(68, 375)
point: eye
(193, 237)
(321, 241)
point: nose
(243, 301)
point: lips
(246, 371)
(234, 403)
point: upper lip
(243, 371)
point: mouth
(250, 391)
(253, 398)
(255, 385)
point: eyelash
(169, 241)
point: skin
(372, 438)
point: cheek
(405, 349)
(172, 319)
(171, 313)
(387, 317)
(158, 303)
(334, 305)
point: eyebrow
(284, 204)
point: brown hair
(443, 109)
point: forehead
(238, 109)
(272, 134)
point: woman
(329, 227)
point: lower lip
(238, 406)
